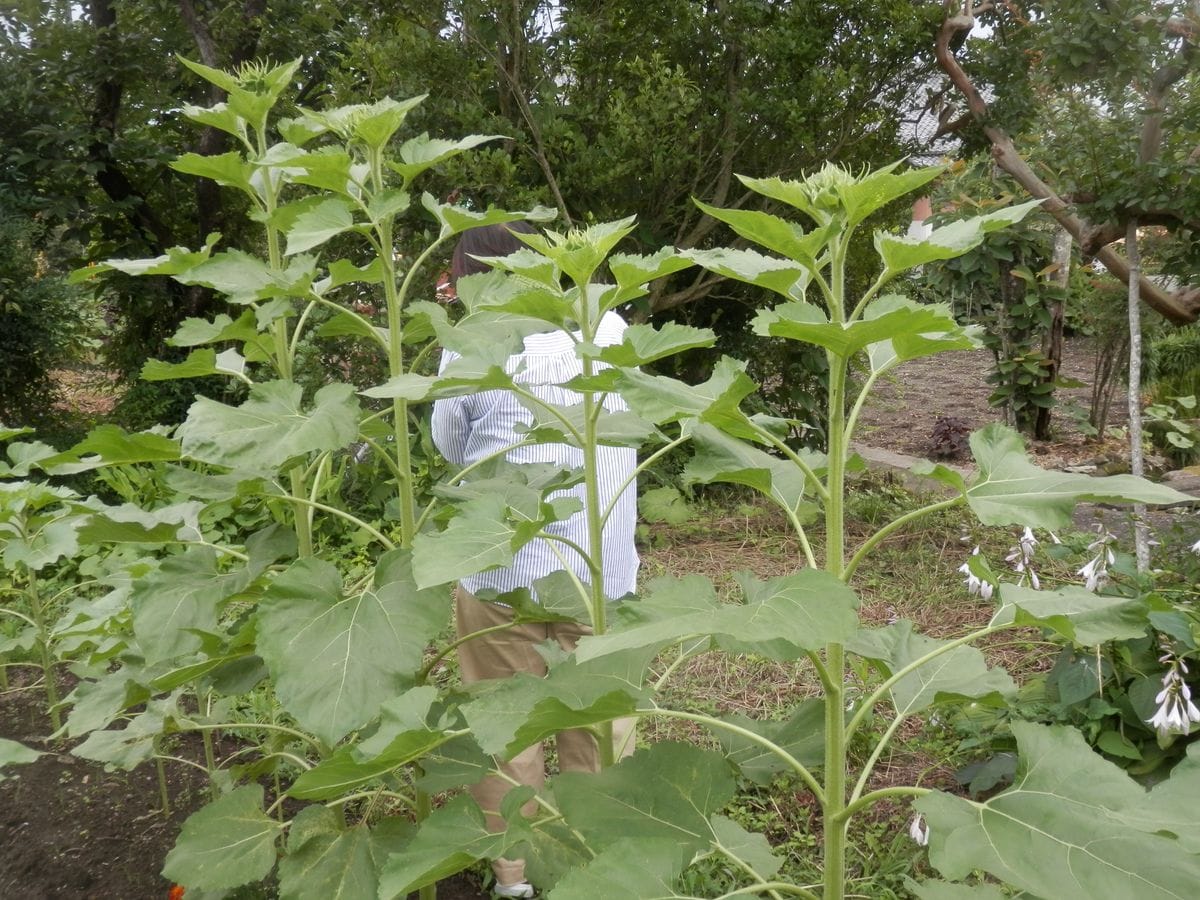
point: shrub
(42, 323)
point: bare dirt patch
(902, 411)
(69, 829)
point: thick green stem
(38, 612)
(834, 827)
(163, 794)
(424, 809)
(210, 757)
(405, 492)
(303, 515)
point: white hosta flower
(1195, 548)
(976, 586)
(919, 831)
(1021, 558)
(1095, 572)
(1176, 712)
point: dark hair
(486, 240)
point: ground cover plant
(227, 611)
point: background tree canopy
(1092, 106)
(609, 107)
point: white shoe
(522, 890)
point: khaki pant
(505, 653)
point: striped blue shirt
(468, 429)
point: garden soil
(902, 411)
(71, 831)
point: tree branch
(1180, 307)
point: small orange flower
(176, 892)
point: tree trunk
(1052, 341)
(1136, 462)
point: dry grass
(913, 575)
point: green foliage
(214, 597)
(44, 324)
(1002, 284)
(1171, 368)
(1173, 428)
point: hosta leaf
(271, 427)
(665, 791)
(1074, 613)
(630, 868)
(336, 658)
(1010, 490)
(14, 754)
(643, 344)
(228, 843)
(1059, 830)
(453, 837)
(961, 672)
(801, 734)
